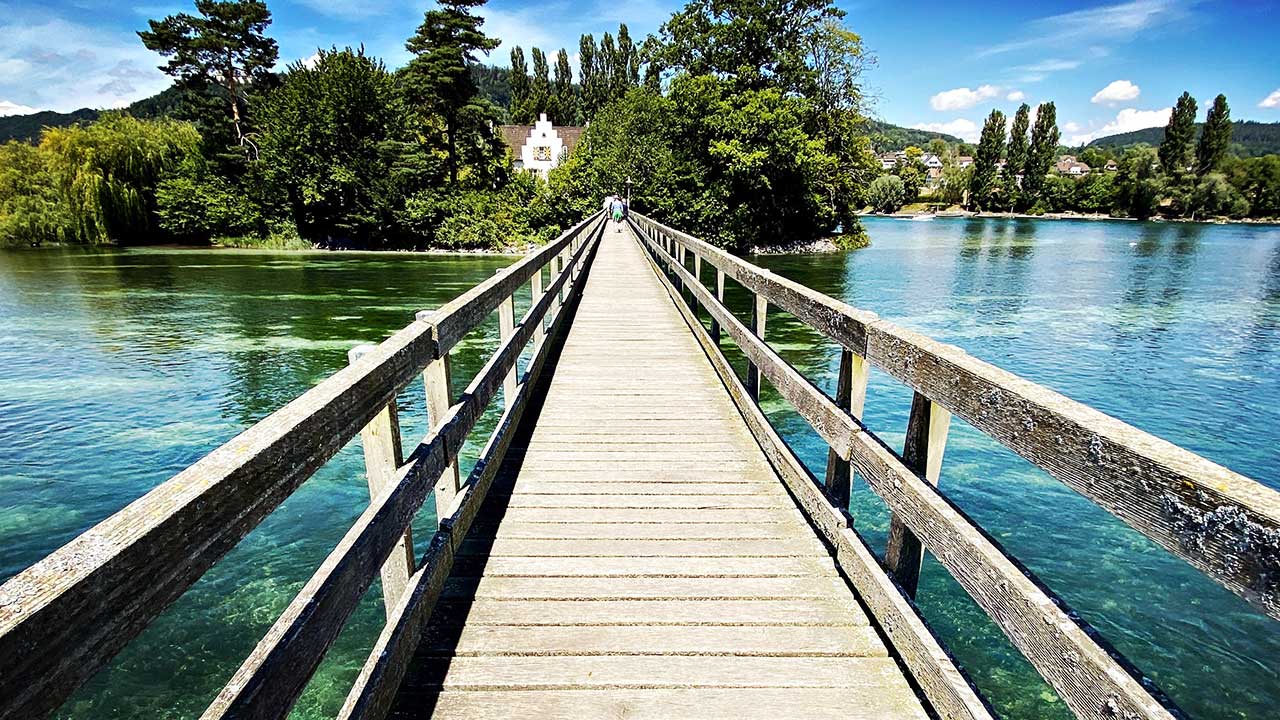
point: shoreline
(966, 214)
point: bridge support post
(535, 294)
(506, 326)
(383, 454)
(437, 383)
(851, 395)
(759, 314)
(715, 324)
(922, 453)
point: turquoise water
(119, 368)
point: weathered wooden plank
(759, 316)
(604, 486)
(807, 611)
(611, 672)
(643, 588)
(506, 325)
(669, 704)
(646, 531)
(500, 546)
(706, 640)
(851, 395)
(383, 455)
(1224, 524)
(606, 502)
(654, 566)
(658, 516)
(922, 454)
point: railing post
(506, 326)
(851, 395)
(436, 381)
(535, 294)
(383, 455)
(922, 453)
(715, 325)
(759, 314)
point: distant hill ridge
(1249, 138)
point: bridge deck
(638, 557)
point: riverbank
(961, 213)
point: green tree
(982, 183)
(587, 75)
(540, 95)
(1040, 154)
(1137, 185)
(520, 112)
(106, 173)
(1096, 193)
(954, 184)
(31, 211)
(1018, 145)
(913, 172)
(566, 101)
(1215, 139)
(1214, 196)
(325, 133)
(886, 194)
(1179, 137)
(437, 80)
(626, 71)
(606, 71)
(1258, 180)
(224, 46)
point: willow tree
(225, 46)
(106, 172)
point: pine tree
(438, 81)
(587, 74)
(1179, 136)
(566, 102)
(519, 86)
(1215, 139)
(224, 46)
(540, 87)
(1041, 153)
(990, 148)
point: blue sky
(1109, 67)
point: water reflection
(1158, 275)
(992, 266)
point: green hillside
(1248, 138)
(891, 138)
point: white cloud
(1271, 101)
(962, 128)
(1072, 127)
(962, 98)
(1016, 96)
(1052, 65)
(1110, 23)
(1126, 120)
(1116, 92)
(9, 108)
(67, 65)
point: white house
(540, 147)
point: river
(120, 367)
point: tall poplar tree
(1041, 153)
(437, 80)
(519, 86)
(225, 46)
(566, 102)
(540, 86)
(1215, 139)
(1016, 157)
(990, 148)
(606, 71)
(1179, 137)
(626, 70)
(588, 77)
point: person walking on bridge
(617, 210)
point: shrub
(886, 193)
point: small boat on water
(922, 218)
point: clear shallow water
(118, 369)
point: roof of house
(515, 136)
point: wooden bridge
(636, 539)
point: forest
(722, 107)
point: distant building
(1111, 166)
(931, 161)
(540, 147)
(1069, 165)
(888, 161)
(964, 161)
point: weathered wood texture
(560, 606)
(1221, 522)
(1093, 679)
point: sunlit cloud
(1117, 91)
(1127, 120)
(962, 98)
(1271, 101)
(962, 128)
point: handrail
(1224, 524)
(64, 618)
(1093, 679)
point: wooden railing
(64, 618)
(1224, 524)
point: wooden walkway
(638, 556)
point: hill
(28, 127)
(887, 137)
(1248, 138)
